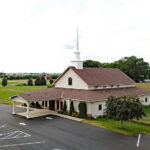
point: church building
(83, 84)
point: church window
(145, 99)
(99, 107)
(69, 81)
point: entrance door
(52, 105)
(58, 105)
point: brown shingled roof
(81, 95)
(101, 76)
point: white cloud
(35, 35)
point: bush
(30, 82)
(4, 81)
(74, 114)
(51, 81)
(71, 108)
(60, 112)
(25, 104)
(23, 84)
(37, 105)
(43, 81)
(49, 86)
(32, 105)
(40, 81)
(65, 107)
(82, 110)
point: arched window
(69, 81)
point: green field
(15, 87)
(145, 85)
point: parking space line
(138, 141)
(13, 135)
(22, 144)
(3, 126)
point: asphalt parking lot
(55, 133)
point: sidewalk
(42, 112)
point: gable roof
(101, 76)
(80, 95)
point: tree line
(14, 77)
(134, 67)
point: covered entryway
(49, 107)
(20, 100)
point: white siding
(95, 108)
(77, 82)
(19, 99)
(142, 99)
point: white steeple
(77, 62)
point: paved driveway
(55, 133)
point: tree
(30, 82)
(71, 108)
(134, 67)
(51, 81)
(91, 63)
(43, 81)
(4, 82)
(124, 108)
(38, 81)
(82, 110)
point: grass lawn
(130, 128)
(12, 89)
(146, 119)
(145, 85)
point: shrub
(65, 107)
(49, 86)
(30, 82)
(40, 81)
(4, 81)
(51, 81)
(71, 108)
(24, 104)
(37, 105)
(82, 110)
(43, 81)
(22, 84)
(32, 105)
(74, 114)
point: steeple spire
(77, 62)
(77, 41)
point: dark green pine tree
(43, 81)
(30, 82)
(4, 82)
(82, 110)
(38, 81)
(71, 108)
(65, 107)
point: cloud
(35, 33)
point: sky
(40, 35)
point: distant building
(47, 77)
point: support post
(59, 105)
(27, 110)
(13, 111)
